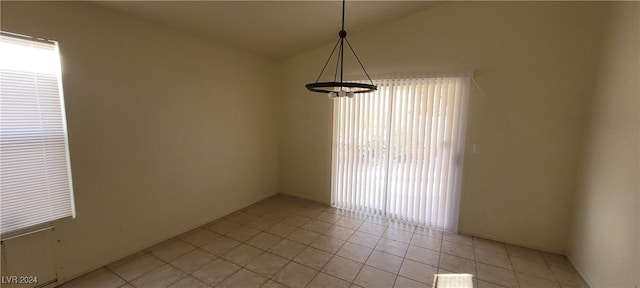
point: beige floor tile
(273, 284)
(392, 247)
(496, 275)
(426, 242)
(282, 230)
(264, 240)
(402, 282)
(295, 275)
(243, 279)
(262, 224)
(171, 249)
(354, 252)
(493, 258)
(342, 268)
(372, 228)
(350, 223)
(287, 249)
(243, 233)
(374, 278)
(457, 264)
(267, 264)
(135, 266)
(311, 213)
(364, 239)
(525, 253)
(200, 237)
(490, 245)
(101, 278)
(454, 279)
(398, 235)
(323, 280)
(317, 226)
(212, 222)
(303, 236)
(222, 227)
(189, 282)
(355, 215)
(277, 216)
(314, 258)
(568, 277)
(190, 232)
(257, 209)
(422, 255)
(425, 231)
(296, 220)
(418, 271)
(314, 237)
(457, 249)
(339, 232)
(334, 210)
(242, 254)
(326, 243)
(160, 277)
(458, 238)
(328, 217)
(556, 260)
(242, 217)
(402, 226)
(531, 268)
(384, 221)
(220, 245)
(216, 271)
(485, 284)
(192, 261)
(385, 261)
(528, 281)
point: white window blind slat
(35, 173)
(398, 151)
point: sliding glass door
(398, 151)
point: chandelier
(340, 88)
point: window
(35, 172)
(398, 151)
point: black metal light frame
(336, 87)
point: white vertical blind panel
(398, 151)
(35, 175)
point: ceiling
(272, 29)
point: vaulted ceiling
(273, 29)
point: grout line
(268, 209)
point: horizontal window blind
(35, 171)
(398, 151)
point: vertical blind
(398, 151)
(35, 172)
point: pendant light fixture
(340, 88)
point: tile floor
(289, 242)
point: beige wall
(535, 63)
(605, 238)
(167, 132)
